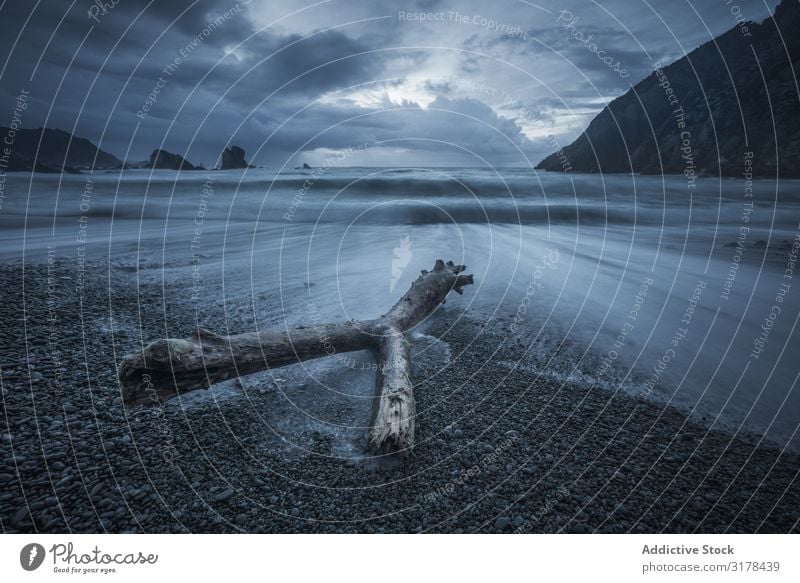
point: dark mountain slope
(163, 160)
(56, 150)
(755, 108)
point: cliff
(703, 113)
(233, 158)
(54, 148)
(163, 160)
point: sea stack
(233, 159)
(163, 160)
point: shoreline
(294, 170)
(498, 449)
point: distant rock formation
(233, 159)
(163, 160)
(53, 149)
(707, 112)
(16, 163)
(305, 166)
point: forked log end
(168, 367)
(393, 424)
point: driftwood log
(168, 367)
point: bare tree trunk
(168, 367)
(393, 423)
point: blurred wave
(397, 196)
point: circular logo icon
(31, 556)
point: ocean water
(683, 292)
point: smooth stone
(224, 495)
(20, 515)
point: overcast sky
(468, 83)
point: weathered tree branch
(168, 367)
(393, 421)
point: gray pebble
(224, 495)
(21, 515)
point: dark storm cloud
(335, 75)
(465, 127)
(607, 57)
(141, 62)
(313, 64)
